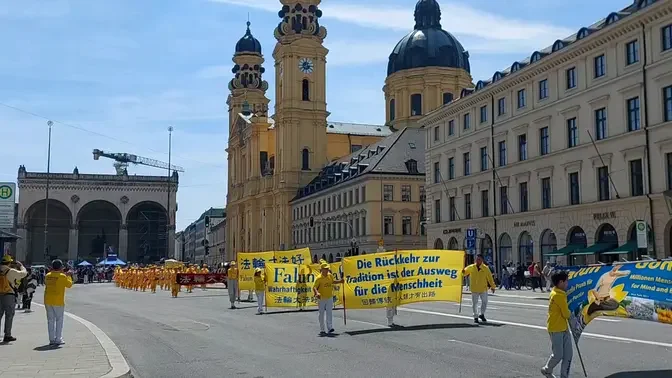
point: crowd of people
(143, 278)
(518, 276)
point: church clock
(306, 65)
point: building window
(632, 52)
(363, 193)
(574, 190)
(599, 66)
(521, 98)
(601, 123)
(388, 193)
(363, 224)
(572, 133)
(669, 170)
(447, 98)
(484, 159)
(502, 153)
(524, 202)
(503, 200)
(544, 146)
(633, 114)
(356, 195)
(484, 113)
(485, 203)
(423, 195)
(357, 226)
(543, 89)
(416, 104)
(667, 37)
(636, 178)
(467, 121)
(451, 127)
(451, 168)
(305, 160)
(570, 76)
(501, 106)
(406, 225)
(667, 105)
(405, 193)
(437, 173)
(467, 163)
(437, 133)
(522, 147)
(393, 109)
(603, 183)
(453, 210)
(388, 225)
(467, 206)
(546, 193)
(437, 211)
(305, 90)
(355, 148)
(350, 201)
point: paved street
(197, 336)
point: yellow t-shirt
(55, 284)
(232, 273)
(325, 286)
(558, 311)
(480, 279)
(259, 282)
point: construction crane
(122, 160)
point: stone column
(123, 242)
(73, 243)
(22, 243)
(171, 242)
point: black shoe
(331, 330)
(322, 333)
(8, 339)
(482, 317)
(476, 320)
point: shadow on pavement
(45, 348)
(642, 374)
(411, 328)
(289, 311)
(199, 296)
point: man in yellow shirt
(323, 289)
(232, 283)
(260, 288)
(55, 284)
(481, 279)
(556, 324)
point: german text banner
(368, 279)
(247, 263)
(295, 256)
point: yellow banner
(402, 277)
(247, 263)
(295, 256)
(291, 285)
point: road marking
(594, 335)
(492, 349)
(536, 305)
(607, 320)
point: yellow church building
(272, 157)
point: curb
(120, 368)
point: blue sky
(122, 71)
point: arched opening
(453, 244)
(315, 259)
(392, 109)
(525, 248)
(147, 232)
(576, 240)
(607, 240)
(416, 104)
(505, 249)
(331, 258)
(58, 227)
(338, 257)
(305, 159)
(98, 223)
(438, 243)
(634, 246)
(324, 257)
(549, 244)
(447, 98)
(486, 250)
(305, 90)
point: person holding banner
(260, 288)
(323, 289)
(480, 279)
(232, 282)
(556, 324)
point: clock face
(306, 65)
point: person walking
(55, 284)
(480, 279)
(323, 289)
(10, 273)
(536, 277)
(260, 289)
(29, 290)
(558, 329)
(546, 275)
(232, 282)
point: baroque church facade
(271, 158)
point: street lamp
(46, 195)
(170, 147)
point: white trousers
(474, 303)
(260, 301)
(548, 283)
(233, 291)
(390, 312)
(55, 323)
(326, 306)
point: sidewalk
(30, 355)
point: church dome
(428, 45)
(248, 44)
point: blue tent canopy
(84, 263)
(112, 261)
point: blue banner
(637, 290)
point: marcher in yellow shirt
(232, 283)
(260, 289)
(204, 270)
(558, 330)
(481, 279)
(55, 284)
(323, 289)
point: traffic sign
(471, 233)
(470, 241)
(7, 204)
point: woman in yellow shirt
(55, 284)
(260, 288)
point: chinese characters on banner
(198, 279)
(248, 262)
(291, 285)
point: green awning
(582, 253)
(593, 249)
(628, 247)
(566, 250)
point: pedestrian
(10, 273)
(536, 276)
(260, 288)
(480, 279)
(323, 289)
(55, 283)
(546, 273)
(504, 282)
(558, 329)
(29, 290)
(232, 282)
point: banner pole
(345, 316)
(578, 351)
(461, 286)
